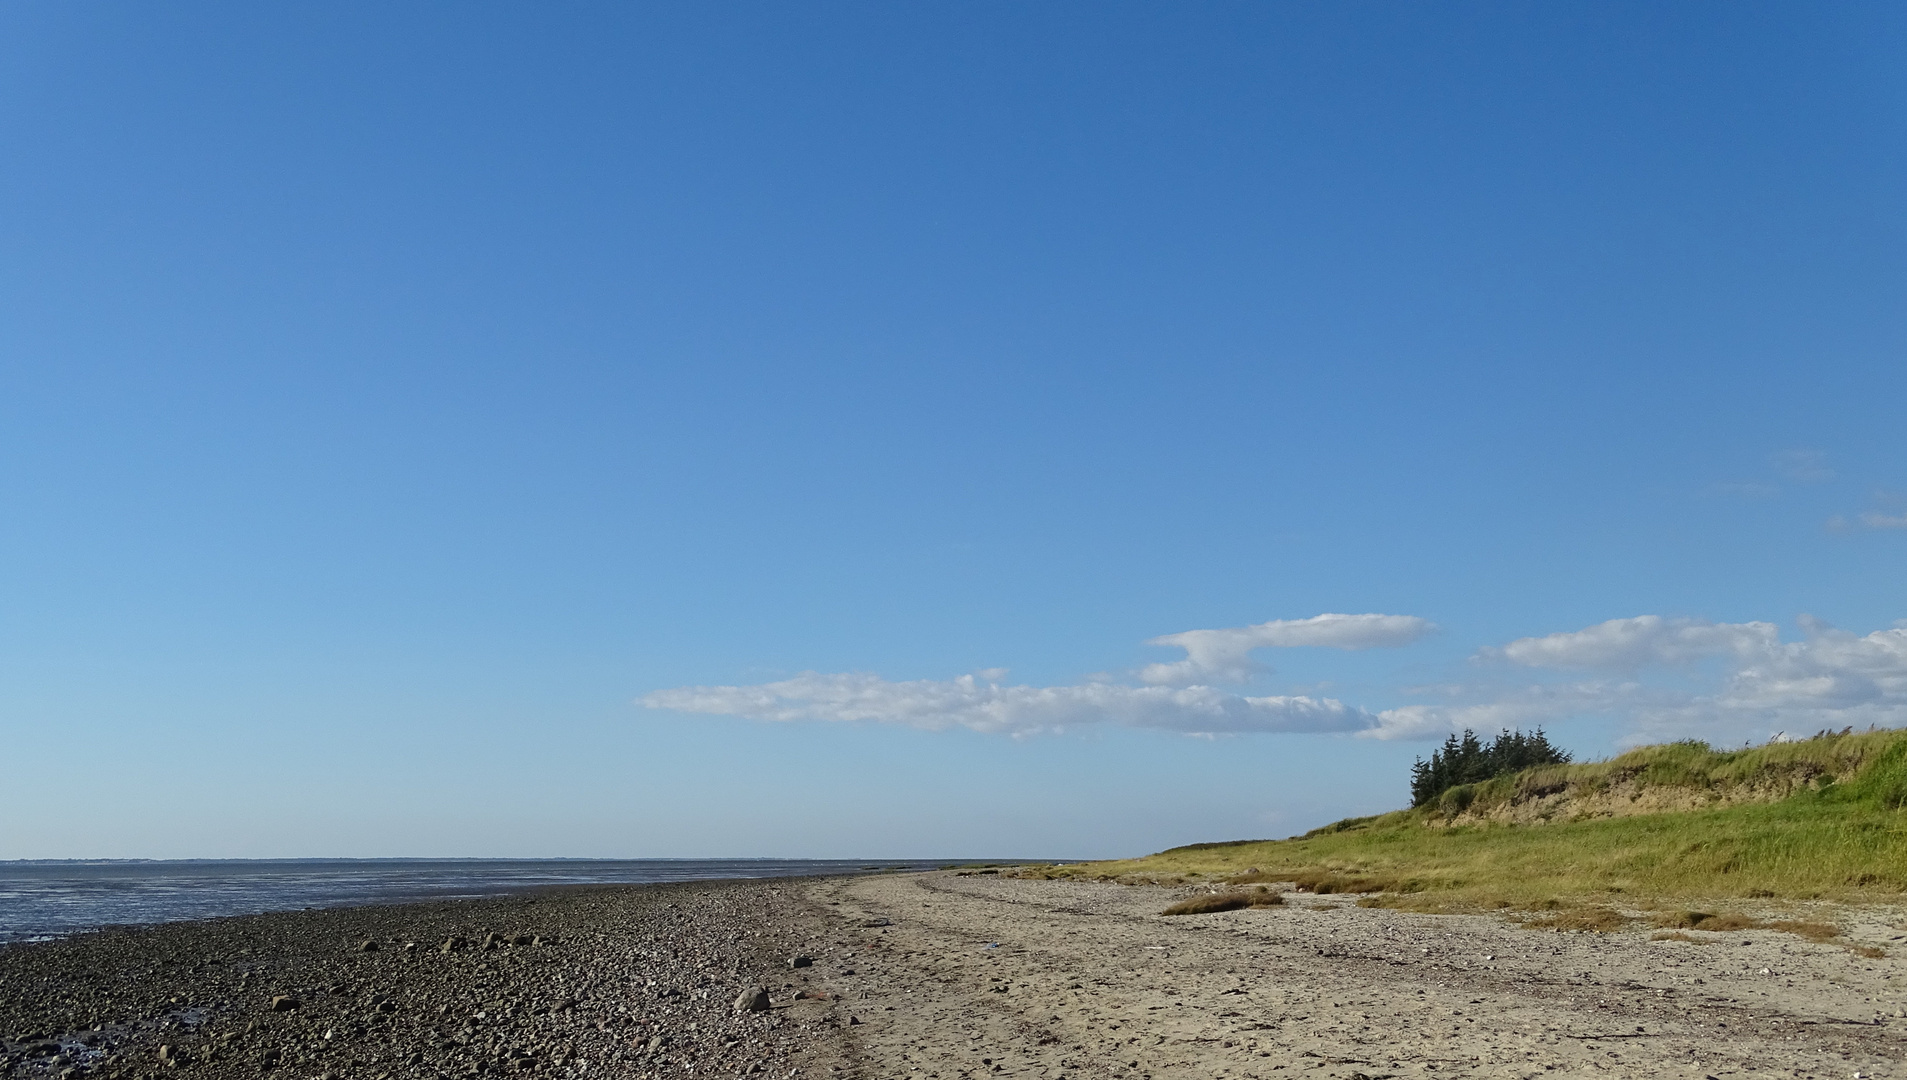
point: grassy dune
(1816, 819)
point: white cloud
(1879, 518)
(1830, 679)
(1804, 466)
(1523, 707)
(1658, 677)
(1629, 644)
(1225, 655)
(982, 704)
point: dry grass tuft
(1324, 882)
(1232, 901)
(1702, 920)
(1819, 933)
(1600, 920)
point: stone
(754, 999)
(283, 1003)
(450, 945)
(801, 962)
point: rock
(871, 923)
(492, 941)
(283, 1003)
(752, 1000)
(451, 944)
(521, 939)
(853, 1020)
(801, 962)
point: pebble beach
(951, 975)
(592, 981)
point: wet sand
(938, 976)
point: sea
(42, 900)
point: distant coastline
(41, 899)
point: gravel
(622, 981)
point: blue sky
(781, 429)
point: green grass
(1831, 826)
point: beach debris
(853, 1020)
(283, 1003)
(871, 923)
(801, 961)
(754, 999)
(367, 945)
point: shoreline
(942, 976)
(584, 980)
(44, 900)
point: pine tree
(1465, 760)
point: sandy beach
(992, 976)
(938, 976)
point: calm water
(46, 899)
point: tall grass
(1832, 826)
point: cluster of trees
(1466, 760)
